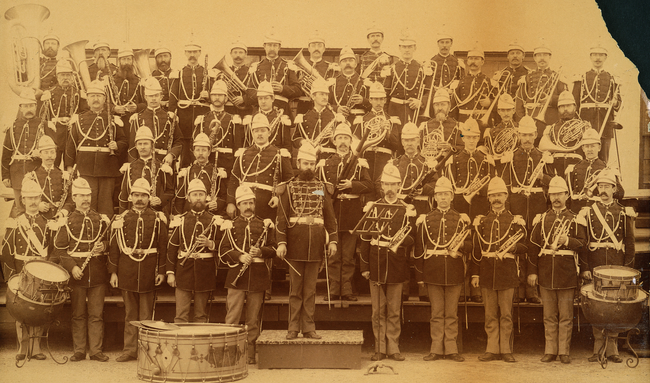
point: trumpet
(309, 74)
(457, 240)
(505, 246)
(398, 238)
(560, 231)
(235, 86)
(473, 188)
(541, 115)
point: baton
(293, 268)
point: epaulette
(395, 120)
(268, 223)
(171, 115)
(581, 217)
(285, 153)
(239, 152)
(177, 220)
(212, 73)
(465, 218)
(247, 120)
(385, 71)
(74, 119)
(519, 220)
(11, 223)
(478, 220)
(125, 167)
(183, 172)
(51, 125)
(118, 222)
(217, 220)
(133, 118)
(253, 67)
(161, 216)
(118, 121)
(320, 163)
(285, 120)
(199, 120)
(280, 188)
(569, 169)
(104, 218)
(629, 211)
(358, 120)
(236, 119)
(421, 219)
(166, 168)
(363, 163)
(175, 73)
(537, 218)
(299, 119)
(226, 225)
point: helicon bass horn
(310, 74)
(77, 53)
(141, 61)
(235, 86)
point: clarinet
(103, 233)
(245, 267)
(66, 189)
(215, 169)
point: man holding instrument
(239, 104)
(279, 122)
(164, 74)
(474, 94)
(441, 132)
(101, 66)
(306, 232)
(138, 252)
(325, 69)
(318, 124)
(503, 137)
(447, 68)
(82, 246)
(375, 37)
(509, 76)
(349, 93)
(247, 241)
(126, 96)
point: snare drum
(616, 282)
(196, 352)
(27, 311)
(43, 281)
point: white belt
(415, 198)
(258, 260)
(257, 186)
(493, 254)
(471, 112)
(347, 196)
(141, 251)
(358, 111)
(376, 242)
(281, 98)
(20, 157)
(558, 252)
(398, 100)
(184, 254)
(594, 105)
(223, 150)
(602, 245)
(161, 151)
(307, 220)
(93, 149)
(567, 155)
(84, 254)
(59, 120)
(186, 103)
(380, 150)
(27, 258)
(302, 98)
(437, 252)
(516, 189)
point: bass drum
(618, 316)
(27, 311)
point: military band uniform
(468, 95)
(164, 127)
(464, 170)
(280, 136)
(310, 125)
(100, 74)
(226, 133)
(403, 81)
(52, 182)
(243, 73)
(582, 194)
(48, 72)
(141, 168)
(496, 141)
(368, 57)
(274, 70)
(446, 70)
(166, 80)
(343, 89)
(326, 70)
(533, 94)
(565, 153)
(205, 173)
(448, 130)
(418, 182)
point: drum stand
(30, 344)
(630, 362)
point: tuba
(141, 61)
(25, 20)
(309, 74)
(77, 53)
(235, 86)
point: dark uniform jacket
(17, 248)
(48, 72)
(418, 184)
(593, 96)
(165, 83)
(238, 238)
(138, 249)
(242, 73)
(434, 237)
(279, 71)
(78, 235)
(386, 266)
(164, 127)
(280, 128)
(206, 173)
(583, 176)
(343, 89)
(184, 99)
(530, 101)
(196, 274)
(471, 90)
(467, 171)
(226, 133)
(306, 222)
(510, 77)
(18, 153)
(450, 133)
(326, 70)
(499, 140)
(404, 81)
(367, 58)
(555, 270)
(64, 102)
(164, 188)
(491, 233)
(380, 153)
(97, 74)
(52, 184)
(446, 70)
(311, 125)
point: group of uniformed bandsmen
(481, 188)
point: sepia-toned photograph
(336, 191)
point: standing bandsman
(239, 104)
(83, 250)
(442, 245)
(163, 73)
(147, 167)
(325, 69)
(348, 207)
(55, 202)
(188, 95)
(94, 144)
(306, 225)
(275, 70)
(553, 264)
(349, 93)
(502, 138)
(247, 241)
(48, 72)
(610, 241)
(317, 126)
(163, 125)
(27, 238)
(535, 89)
(279, 121)
(597, 93)
(406, 83)
(375, 37)
(447, 68)
(101, 66)
(384, 262)
(474, 93)
(191, 263)
(441, 132)
(138, 252)
(498, 245)
(126, 94)
(509, 76)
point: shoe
(477, 299)
(39, 356)
(311, 335)
(251, 360)
(350, 298)
(292, 335)
(332, 298)
(126, 358)
(377, 356)
(593, 358)
(615, 359)
(535, 300)
(508, 358)
(565, 359)
(20, 356)
(516, 300)
(455, 357)
(431, 357)
(100, 357)
(77, 357)
(488, 356)
(423, 298)
(398, 357)
(548, 358)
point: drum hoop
(590, 293)
(598, 272)
(43, 261)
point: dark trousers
(87, 318)
(183, 302)
(341, 266)
(444, 318)
(498, 327)
(137, 306)
(235, 305)
(302, 296)
(102, 194)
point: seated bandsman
(346, 190)
(553, 264)
(562, 139)
(441, 132)
(318, 124)
(442, 246)
(610, 241)
(82, 247)
(213, 178)
(191, 263)
(157, 173)
(247, 241)
(306, 226)
(502, 138)
(137, 258)
(27, 238)
(498, 247)
(384, 262)
(349, 93)
(279, 121)
(325, 69)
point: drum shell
(609, 286)
(617, 316)
(35, 288)
(29, 312)
(196, 362)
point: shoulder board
(183, 172)
(74, 119)
(175, 73)
(171, 115)
(320, 163)
(133, 118)
(217, 220)
(177, 221)
(363, 163)
(421, 219)
(285, 153)
(285, 119)
(118, 223)
(395, 120)
(368, 206)
(226, 225)
(410, 210)
(247, 120)
(581, 218)
(236, 119)
(125, 167)
(161, 216)
(537, 218)
(11, 223)
(118, 121)
(239, 152)
(358, 120)
(629, 211)
(299, 119)
(199, 120)
(519, 220)
(478, 220)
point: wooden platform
(337, 349)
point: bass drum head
(47, 271)
(29, 312)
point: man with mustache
(187, 98)
(306, 225)
(385, 269)
(503, 137)
(348, 207)
(49, 62)
(594, 93)
(101, 66)
(280, 133)
(248, 241)
(240, 105)
(509, 76)
(274, 69)
(163, 73)
(191, 262)
(127, 94)
(138, 252)
(553, 264)
(20, 147)
(326, 69)
(534, 90)
(79, 241)
(474, 93)
(26, 238)
(610, 241)
(494, 269)
(349, 93)
(442, 132)
(92, 138)
(149, 168)
(447, 68)
(375, 37)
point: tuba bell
(309, 73)
(235, 86)
(77, 53)
(141, 61)
(25, 20)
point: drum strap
(29, 234)
(606, 227)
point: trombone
(502, 89)
(541, 115)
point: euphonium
(25, 19)
(309, 73)
(77, 53)
(141, 61)
(235, 86)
